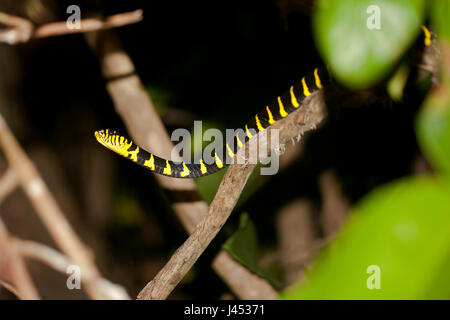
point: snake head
(113, 141)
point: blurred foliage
(401, 228)
(439, 17)
(360, 56)
(397, 83)
(433, 128)
(433, 125)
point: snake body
(288, 102)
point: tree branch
(8, 183)
(22, 30)
(12, 268)
(307, 118)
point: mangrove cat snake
(281, 107)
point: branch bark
(8, 183)
(12, 267)
(22, 30)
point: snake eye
(100, 134)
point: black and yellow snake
(281, 107)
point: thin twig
(136, 109)
(12, 267)
(59, 262)
(11, 289)
(23, 30)
(307, 118)
(48, 209)
(8, 183)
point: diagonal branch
(308, 117)
(8, 183)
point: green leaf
(403, 229)
(396, 84)
(433, 122)
(438, 289)
(433, 129)
(243, 247)
(207, 186)
(440, 11)
(359, 51)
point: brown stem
(23, 30)
(13, 267)
(8, 183)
